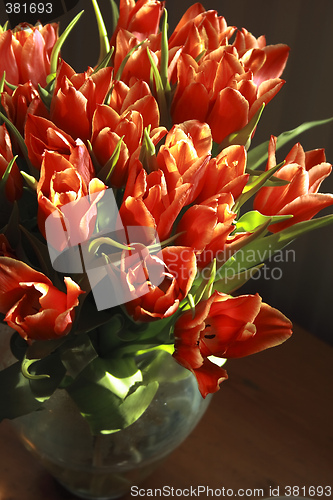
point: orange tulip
(138, 66)
(304, 171)
(219, 91)
(137, 97)
(179, 270)
(226, 327)
(43, 135)
(25, 53)
(225, 173)
(109, 128)
(206, 227)
(61, 183)
(25, 100)
(148, 203)
(76, 97)
(141, 18)
(32, 305)
(14, 184)
(265, 61)
(200, 31)
(184, 156)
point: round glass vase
(107, 465)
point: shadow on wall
(304, 289)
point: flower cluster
(121, 186)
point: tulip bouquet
(123, 192)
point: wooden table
(270, 427)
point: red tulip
(137, 97)
(225, 174)
(177, 266)
(138, 66)
(43, 135)
(226, 327)
(76, 97)
(148, 203)
(14, 184)
(304, 172)
(219, 91)
(265, 61)
(32, 305)
(109, 128)
(199, 31)
(61, 183)
(206, 227)
(141, 18)
(25, 100)
(25, 53)
(184, 156)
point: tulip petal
(229, 114)
(273, 328)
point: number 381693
(28, 8)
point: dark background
(305, 291)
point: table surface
(267, 430)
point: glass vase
(107, 465)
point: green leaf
(258, 155)
(103, 240)
(147, 147)
(46, 93)
(115, 14)
(161, 367)
(43, 388)
(120, 374)
(136, 403)
(233, 281)
(105, 173)
(250, 221)
(6, 174)
(11, 86)
(2, 82)
(165, 53)
(26, 364)
(59, 43)
(253, 186)
(191, 303)
(126, 58)
(111, 334)
(105, 61)
(15, 393)
(98, 405)
(87, 316)
(30, 180)
(259, 250)
(204, 283)
(160, 90)
(104, 45)
(104, 411)
(11, 127)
